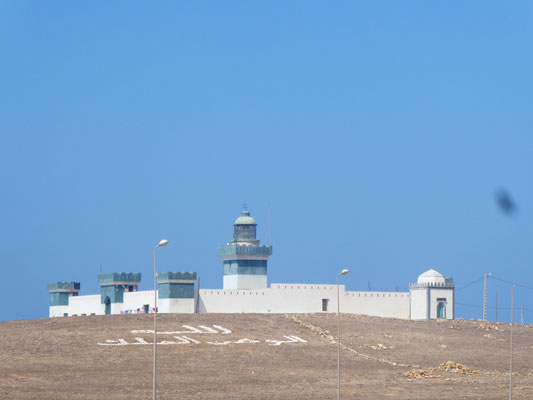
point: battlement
(231, 250)
(119, 278)
(448, 284)
(176, 277)
(55, 287)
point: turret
(176, 292)
(60, 292)
(113, 285)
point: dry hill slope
(243, 356)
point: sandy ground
(245, 356)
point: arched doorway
(441, 310)
(107, 303)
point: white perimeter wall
(304, 298)
(85, 305)
(57, 311)
(419, 303)
(135, 300)
(279, 298)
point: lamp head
(162, 243)
(344, 271)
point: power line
(469, 284)
(492, 307)
(512, 283)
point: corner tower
(245, 261)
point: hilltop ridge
(258, 356)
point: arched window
(441, 310)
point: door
(107, 303)
(441, 310)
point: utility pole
(522, 315)
(496, 307)
(198, 298)
(485, 297)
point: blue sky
(378, 132)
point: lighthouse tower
(245, 261)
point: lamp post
(485, 296)
(511, 350)
(161, 244)
(343, 272)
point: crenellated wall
(304, 298)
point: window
(325, 304)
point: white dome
(431, 276)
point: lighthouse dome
(245, 219)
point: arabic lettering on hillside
(178, 337)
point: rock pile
(451, 366)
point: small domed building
(432, 297)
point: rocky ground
(244, 356)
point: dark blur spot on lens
(505, 202)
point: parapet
(119, 278)
(176, 285)
(70, 287)
(448, 284)
(236, 250)
(176, 277)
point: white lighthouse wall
(238, 282)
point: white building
(246, 290)
(432, 297)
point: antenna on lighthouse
(268, 235)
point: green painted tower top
(244, 229)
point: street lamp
(343, 272)
(511, 350)
(162, 243)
